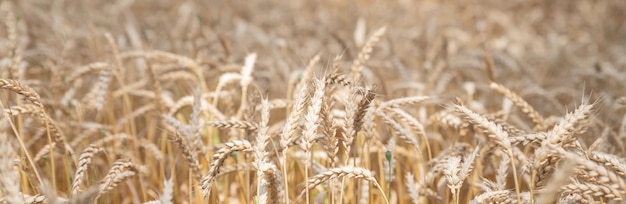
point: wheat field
(329, 102)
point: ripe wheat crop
(265, 101)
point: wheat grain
(529, 138)
(120, 171)
(336, 78)
(23, 109)
(190, 156)
(409, 120)
(18, 88)
(407, 101)
(245, 80)
(152, 149)
(194, 123)
(291, 126)
(86, 69)
(449, 120)
(354, 116)
(402, 133)
(549, 194)
(179, 76)
(502, 173)
(218, 160)
(262, 139)
(308, 71)
(271, 185)
(329, 127)
(96, 97)
(34, 199)
(182, 102)
(573, 198)
(501, 197)
(412, 188)
(288, 134)
(598, 173)
(522, 104)
(156, 88)
(592, 189)
(311, 118)
(84, 160)
(456, 171)
(563, 132)
(48, 148)
(232, 124)
(611, 161)
(365, 52)
(167, 195)
(511, 129)
(492, 130)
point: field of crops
(329, 101)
